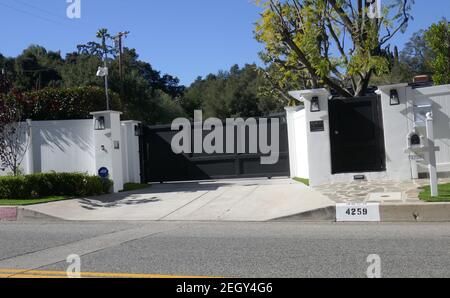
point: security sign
(103, 172)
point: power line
(32, 14)
(49, 12)
(40, 9)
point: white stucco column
(292, 139)
(397, 125)
(131, 151)
(318, 135)
(108, 145)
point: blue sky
(185, 38)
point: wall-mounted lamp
(395, 99)
(137, 130)
(99, 123)
(315, 104)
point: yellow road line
(29, 276)
(62, 274)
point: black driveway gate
(357, 137)
(159, 163)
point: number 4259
(356, 211)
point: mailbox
(415, 147)
(415, 141)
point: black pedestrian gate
(357, 137)
(160, 164)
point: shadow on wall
(63, 145)
(64, 138)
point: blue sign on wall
(103, 172)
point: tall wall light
(137, 130)
(315, 104)
(99, 123)
(395, 99)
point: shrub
(52, 184)
(64, 104)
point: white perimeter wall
(63, 146)
(60, 146)
(69, 146)
(439, 98)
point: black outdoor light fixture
(395, 99)
(315, 104)
(137, 130)
(100, 123)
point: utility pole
(106, 81)
(119, 46)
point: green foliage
(145, 94)
(32, 201)
(444, 194)
(68, 103)
(438, 39)
(302, 180)
(328, 43)
(239, 92)
(52, 184)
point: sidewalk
(256, 200)
(222, 200)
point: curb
(322, 214)
(424, 212)
(431, 212)
(8, 213)
(22, 214)
(407, 213)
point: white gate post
(432, 156)
(292, 140)
(108, 146)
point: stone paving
(359, 191)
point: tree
(417, 54)
(438, 39)
(14, 138)
(36, 68)
(329, 43)
(239, 92)
(102, 49)
(5, 84)
(148, 95)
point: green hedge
(64, 103)
(52, 184)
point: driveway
(222, 200)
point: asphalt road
(281, 249)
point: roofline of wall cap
(105, 112)
(301, 95)
(294, 109)
(385, 88)
(131, 121)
